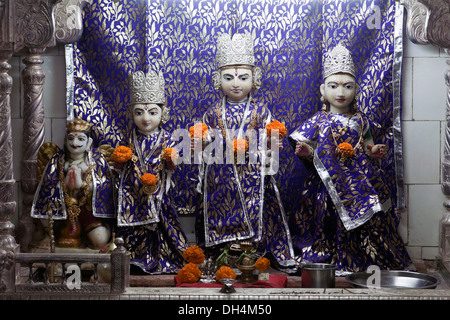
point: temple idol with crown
(76, 191)
(240, 199)
(146, 219)
(345, 195)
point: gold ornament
(147, 189)
(345, 149)
(78, 125)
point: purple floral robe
(149, 224)
(344, 213)
(240, 200)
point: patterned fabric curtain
(290, 37)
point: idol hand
(378, 151)
(302, 150)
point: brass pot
(247, 273)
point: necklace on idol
(134, 146)
(345, 149)
(222, 121)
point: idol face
(77, 143)
(147, 116)
(339, 90)
(236, 82)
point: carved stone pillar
(8, 245)
(33, 78)
(34, 21)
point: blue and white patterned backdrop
(290, 37)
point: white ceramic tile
(52, 51)
(442, 53)
(403, 226)
(429, 89)
(55, 86)
(422, 152)
(430, 253)
(58, 131)
(47, 130)
(414, 252)
(407, 81)
(414, 50)
(425, 211)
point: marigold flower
(198, 130)
(240, 145)
(170, 154)
(276, 125)
(190, 273)
(346, 149)
(122, 154)
(262, 264)
(194, 254)
(225, 272)
(149, 179)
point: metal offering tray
(391, 279)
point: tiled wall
(424, 105)
(424, 108)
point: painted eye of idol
(334, 85)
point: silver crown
(237, 50)
(147, 88)
(339, 60)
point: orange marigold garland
(225, 272)
(346, 149)
(194, 254)
(149, 179)
(198, 130)
(262, 264)
(240, 146)
(122, 154)
(276, 125)
(190, 273)
(170, 154)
